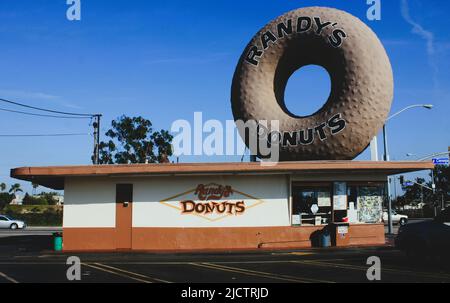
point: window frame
(311, 185)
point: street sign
(408, 183)
(440, 161)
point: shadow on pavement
(25, 244)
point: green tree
(41, 199)
(415, 194)
(15, 188)
(35, 186)
(30, 200)
(132, 140)
(2, 187)
(5, 199)
(48, 197)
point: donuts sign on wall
(361, 84)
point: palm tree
(35, 186)
(2, 187)
(15, 188)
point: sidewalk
(44, 228)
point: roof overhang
(54, 176)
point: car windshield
(9, 218)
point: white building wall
(90, 202)
(268, 204)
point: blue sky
(165, 61)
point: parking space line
(294, 253)
(259, 273)
(161, 263)
(116, 273)
(8, 278)
(363, 268)
(132, 273)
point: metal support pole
(374, 149)
(433, 198)
(395, 188)
(386, 151)
(386, 158)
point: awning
(54, 176)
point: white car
(396, 218)
(7, 222)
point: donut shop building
(220, 206)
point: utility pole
(96, 125)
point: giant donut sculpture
(361, 83)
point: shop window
(367, 201)
(324, 203)
(311, 205)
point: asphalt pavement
(30, 231)
(29, 258)
(396, 226)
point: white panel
(268, 204)
(89, 202)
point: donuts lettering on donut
(361, 77)
(303, 24)
(306, 136)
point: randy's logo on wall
(214, 193)
(212, 202)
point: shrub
(30, 200)
(33, 215)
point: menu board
(340, 196)
(323, 199)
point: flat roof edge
(27, 173)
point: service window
(311, 204)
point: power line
(46, 135)
(95, 124)
(46, 110)
(42, 115)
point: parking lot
(28, 258)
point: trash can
(57, 241)
(325, 239)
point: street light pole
(386, 158)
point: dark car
(428, 238)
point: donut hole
(307, 90)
